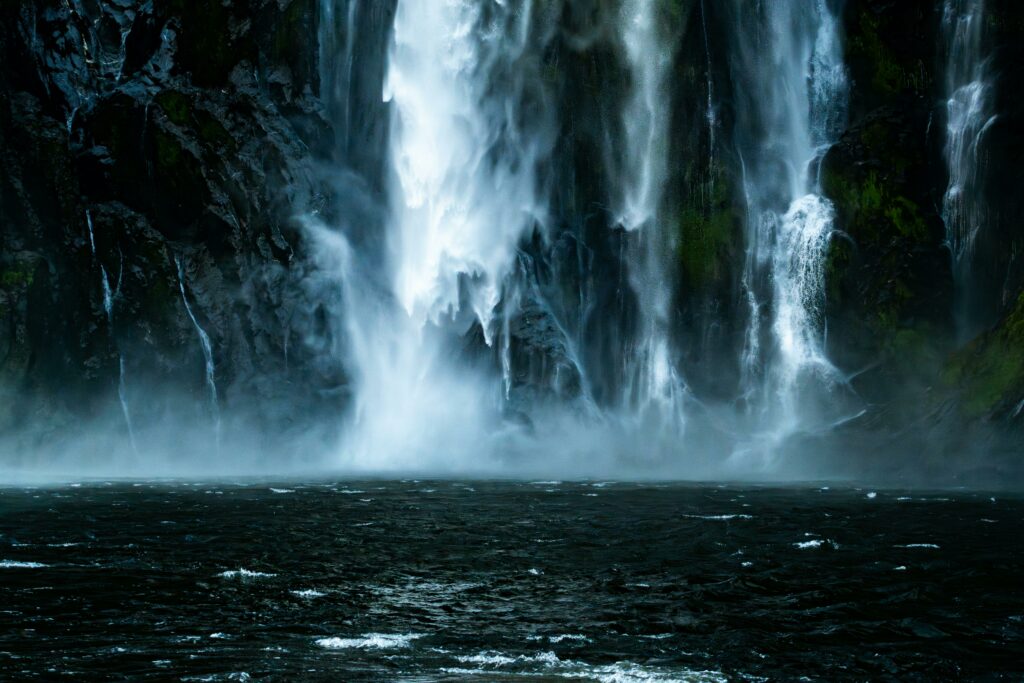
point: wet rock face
(137, 133)
(889, 277)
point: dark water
(428, 581)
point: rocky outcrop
(137, 136)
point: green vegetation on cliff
(989, 372)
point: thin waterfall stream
(108, 307)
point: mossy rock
(709, 231)
(988, 373)
(888, 274)
(890, 50)
(177, 106)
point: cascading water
(654, 381)
(789, 60)
(338, 52)
(465, 164)
(108, 308)
(465, 190)
(969, 113)
(207, 347)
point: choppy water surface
(428, 580)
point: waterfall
(108, 309)
(711, 115)
(645, 116)
(207, 347)
(969, 113)
(464, 155)
(789, 62)
(464, 191)
(469, 158)
(338, 21)
(654, 381)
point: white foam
(491, 658)
(872, 494)
(816, 543)
(720, 518)
(628, 672)
(18, 564)
(282, 490)
(551, 665)
(374, 641)
(308, 593)
(931, 546)
(534, 571)
(244, 573)
(577, 637)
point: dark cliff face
(137, 136)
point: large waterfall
(652, 238)
(475, 117)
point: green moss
(905, 216)
(176, 105)
(706, 231)
(17, 276)
(838, 260)
(872, 209)
(990, 370)
(706, 238)
(168, 151)
(212, 132)
(888, 75)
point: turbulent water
(435, 580)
